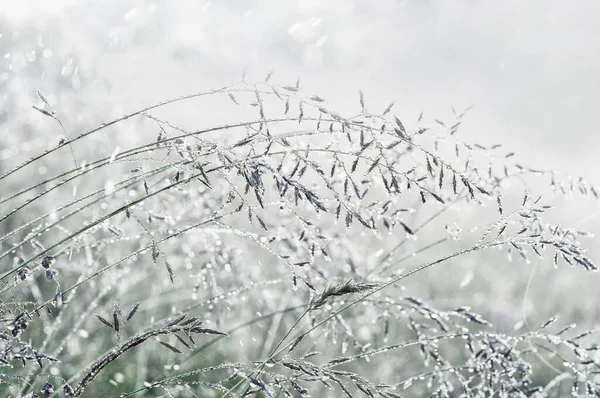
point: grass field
(260, 238)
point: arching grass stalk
(106, 125)
(129, 256)
(261, 195)
(267, 316)
(213, 341)
(120, 186)
(108, 216)
(382, 286)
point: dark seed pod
(68, 390)
(48, 261)
(23, 273)
(51, 273)
(48, 390)
(58, 299)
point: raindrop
(30, 55)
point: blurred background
(531, 71)
(529, 68)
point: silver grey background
(531, 68)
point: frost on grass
(271, 255)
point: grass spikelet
(318, 252)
